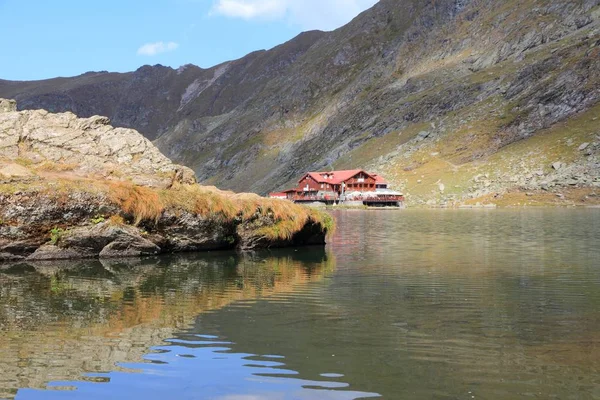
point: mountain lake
(410, 304)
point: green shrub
(98, 219)
(55, 235)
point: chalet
(350, 186)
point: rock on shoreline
(78, 188)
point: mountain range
(451, 100)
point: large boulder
(88, 145)
(102, 240)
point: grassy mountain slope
(451, 99)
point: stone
(89, 143)
(583, 146)
(557, 165)
(442, 187)
(129, 248)
(7, 105)
(51, 252)
(14, 171)
(93, 122)
(422, 135)
(106, 240)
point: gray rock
(7, 105)
(557, 165)
(15, 171)
(422, 135)
(90, 143)
(583, 146)
(9, 257)
(51, 252)
(129, 248)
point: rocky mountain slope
(79, 188)
(450, 99)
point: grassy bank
(134, 204)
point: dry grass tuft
(280, 219)
(49, 166)
(141, 202)
(199, 200)
(116, 220)
(286, 217)
(290, 218)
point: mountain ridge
(412, 75)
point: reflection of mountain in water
(59, 320)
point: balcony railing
(315, 198)
(370, 199)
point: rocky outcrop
(38, 226)
(79, 188)
(89, 145)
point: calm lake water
(465, 304)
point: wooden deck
(379, 201)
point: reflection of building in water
(58, 322)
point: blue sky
(48, 38)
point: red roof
(337, 177)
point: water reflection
(59, 320)
(414, 305)
(444, 305)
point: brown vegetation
(141, 202)
(272, 219)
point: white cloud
(152, 49)
(308, 14)
(249, 9)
